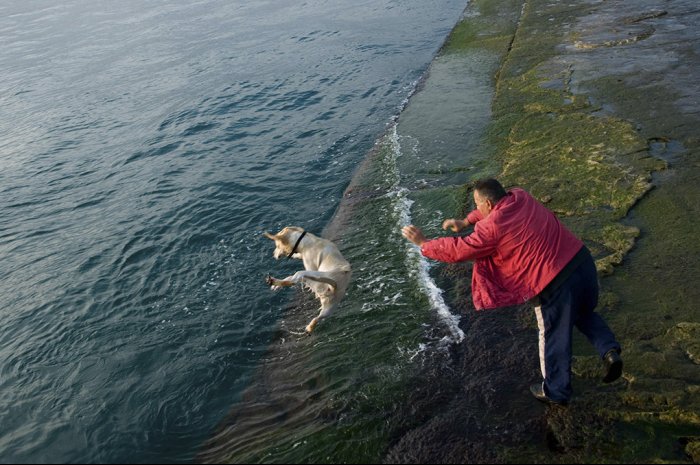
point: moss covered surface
(592, 167)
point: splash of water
(418, 266)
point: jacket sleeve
(481, 243)
(474, 216)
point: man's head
(487, 193)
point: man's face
(483, 205)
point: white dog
(326, 273)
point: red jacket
(517, 250)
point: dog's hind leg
(310, 327)
(326, 309)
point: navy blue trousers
(571, 304)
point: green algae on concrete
(488, 25)
(579, 164)
(591, 164)
(655, 300)
(589, 147)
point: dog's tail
(322, 279)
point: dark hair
(490, 189)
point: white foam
(418, 266)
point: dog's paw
(310, 327)
(272, 282)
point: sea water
(144, 148)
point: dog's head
(284, 240)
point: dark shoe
(613, 365)
(537, 391)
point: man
(521, 253)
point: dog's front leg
(300, 277)
(277, 284)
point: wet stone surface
(624, 76)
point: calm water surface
(144, 147)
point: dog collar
(296, 245)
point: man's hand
(414, 235)
(454, 225)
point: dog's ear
(280, 236)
